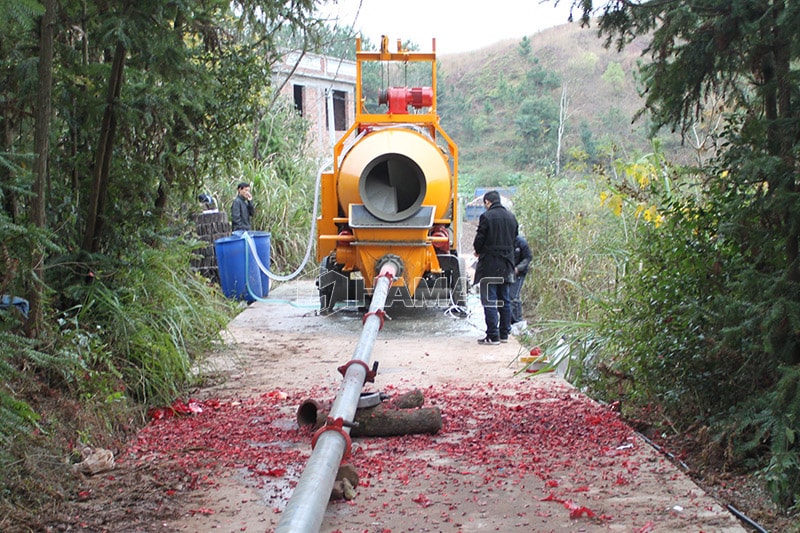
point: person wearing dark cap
(242, 208)
(494, 247)
(522, 260)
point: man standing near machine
(522, 260)
(494, 247)
(242, 208)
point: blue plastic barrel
(239, 275)
(262, 242)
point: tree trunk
(380, 421)
(400, 416)
(105, 147)
(41, 142)
(562, 123)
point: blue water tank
(239, 274)
(262, 242)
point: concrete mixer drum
(392, 187)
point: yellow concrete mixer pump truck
(392, 192)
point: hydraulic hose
(309, 247)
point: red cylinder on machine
(399, 98)
(441, 232)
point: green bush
(150, 318)
(575, 242)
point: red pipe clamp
(337, 426)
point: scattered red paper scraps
(621, 480)
(220, 434)
(575, 510)
(594, 420)
(178, 407)
(277, 394)
(647, 528)
(493, 435)
(422, 500)
(272, 472)
(201, 510)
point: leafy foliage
(536, 123)
(706, 326)
(573, 241)
(15, 413)
(157, 316)
(21, 11)
(153, 102)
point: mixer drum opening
(392, 187)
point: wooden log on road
(380, 421)
(402, 415)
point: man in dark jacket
(522, 260)
(242, 208)
(494, 247)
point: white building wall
(317, 74)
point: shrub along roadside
(693, 325)
(133, 337)
(153, 318)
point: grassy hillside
(501, 104)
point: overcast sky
(457, 25)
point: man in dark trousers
(242, 208)
(494, 247)
(522, 260)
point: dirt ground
(515, 453)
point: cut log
(408, 400)
(380, 421)
(401, 415)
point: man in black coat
(494, 247)
(242, 208)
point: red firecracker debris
(422, 500)
(493, 436)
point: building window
(339, 111)
(299, 91)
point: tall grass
(577, 246)
(282, 182)
(284, 208)
(156, 318)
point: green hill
(503, 104)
